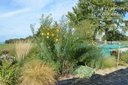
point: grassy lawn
(4, 46)
(7, 47)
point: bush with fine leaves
(8, 73)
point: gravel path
(119, 77)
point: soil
(113, 76)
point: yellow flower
(57, 30)
(53, 35)
(48, 46)
(48, 33)
(42, 33)
(57, 39)
(47, 36)
(48, 28)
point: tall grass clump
(96, 63)
(124, 57)
(103, 62)
(109, 62)
(35, 72)
(22, 49)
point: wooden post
(118, 55)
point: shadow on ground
(119, 77)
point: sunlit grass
(35, 72)
(8, 48)
(109, 62)
(2, 46)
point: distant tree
(10, 41)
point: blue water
(1, 42)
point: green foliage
(83, 71)
(103, 62)
(61, 44)
(124, 57)
(33, 51)
(90, 54)
(102, 16)
(2, 46)
(109, 62)
(115, 36)
(8, 73)
(96, 63)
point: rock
(6, 57)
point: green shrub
(124, 57)
(90, 55)
(63, 45)
(35, 72)
(83, 71)
(103, 62)
(96, 63)
(57, 44)
(33, 51)
(8, 73)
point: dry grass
(109, 70)
(109, 62)
(22, 48)
(36, 72)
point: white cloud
(37, 4)
(61, 8)
(16, 23)
(12, 13)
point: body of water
(1, 42)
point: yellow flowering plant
(61, 45)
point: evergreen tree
(115, 36)
(102, 15)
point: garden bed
(113, 76)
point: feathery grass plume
(35, 72)
(22, 48)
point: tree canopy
(115, 36)
(101, 15)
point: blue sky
(17, 15)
